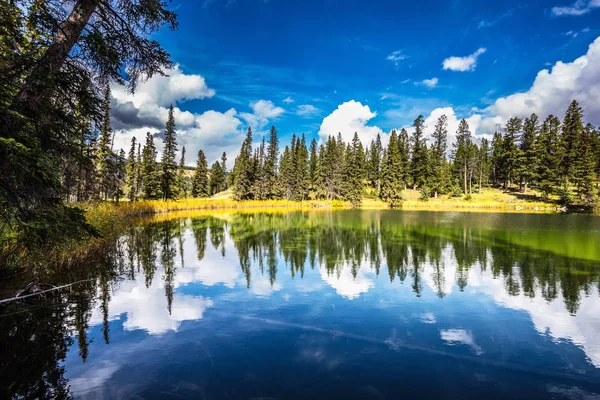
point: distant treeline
(556, 158)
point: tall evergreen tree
(404, 157)
(526, 165)
(572, 131)
(271, 168)
(181, 177)
(200, 184)
(374, 164)
(150, 172)
(244, 170)
(313, 165)
(419, 160)
(510, 150)
(392, 176)
(462, 154)
(547, 156)
(105, 156)
(218, 180)
(300, 161)
(261, 180)
(355, 172)
(583, 174)
(497, 158)
(168, 163)
(131, 172)
(438, 155)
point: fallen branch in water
(43, 291)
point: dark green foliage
(131, 172)
(463, 154)
(437, 158)
(527, 162)
(419, 166)
(182, 180)
(355, 172)
(200, 183)
(572, 131)
(375, 152)
(393, 172)
(51, 99)
(547, 156)
(510, 150)
(271, 167)
(149, 170)
(168, 163)
(218, 181)
(313, 166)
(244, 170)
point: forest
(56, 139)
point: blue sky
(379, 64)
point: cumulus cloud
(288, 100)
(463, 64)
(580, 7)
(430, 83)
(307, 110)
(396, 57)
(263, 111)
(348, 118)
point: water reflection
(337, 268)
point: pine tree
(218, 180)
(375, 154)
(510, 150)
(355, 172)
(547, 156)
(392, 176)
(287, 171)
(181, 177)
(271, 168)
(497, 159)
(300, 162)
(244, 170)
(119, 176)
(526, 165)
(572, 131)
(131, 172)
(462, 154)
(104, 156)
(438, 155)
(419, 160)
(200, 184)
(150, 172)
(583, 170)
(313, 165)
(404, 149)
(484, 162)
(260, 188)
(168, 163)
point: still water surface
(321, 305)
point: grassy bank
(111, 219)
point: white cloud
(396, 57)
(460, 336)
(430, 83)
(574, 34)
(288, 100)
(580, 7)
(307, 110)
(164, 90)
(348, 118)
(463, 64)
(263, 111)
(345, 284)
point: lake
(320, 305)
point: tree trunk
(39, 83)
(465, 176)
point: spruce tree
(181, 177)
(104, 155)
(313, 165)
(392, 183)
(150, 172)
(287, 171)
(438, 155)
(462, 154)
(300, 161)
(572, 131)
(374, 164)
(526, 164)
(119, 176)
(200, 184)
(261, 181)
(355, 172)
(583, 170)
(404, 149)
(168, 163)
(547, 156)
(244, 170)
(510, 150)
(419, 160)
(218, 180)
(131, 172)
(497, 159)
(271, 168)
